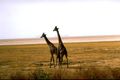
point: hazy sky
(29, 19)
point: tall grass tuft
(95, 73)
(18, 76)
(87, 72)
(116, 73)
(39, 74)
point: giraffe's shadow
(40, 63)
(46, 63)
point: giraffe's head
(43, 35)
(55, 29)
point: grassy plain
(87, 60)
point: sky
(30, 18)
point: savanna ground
(89, 60)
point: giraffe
(61, 48)
(53, 49)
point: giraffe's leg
(59, 61)
(50, 61)
(62, 59)
(67, 60)
(56, 60)
(56, 56)
(53, 61)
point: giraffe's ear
(44, 34)
(56, 27)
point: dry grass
(95, 60)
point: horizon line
(64, 37)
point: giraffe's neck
(59, 38)
(46, 39)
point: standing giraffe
(53, 49)
(61, 48)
